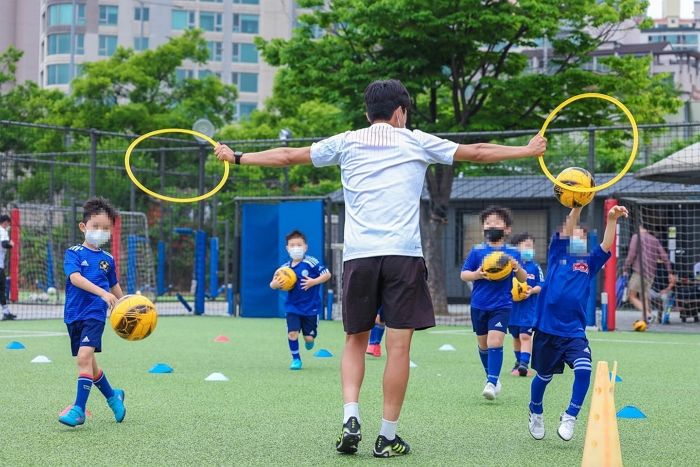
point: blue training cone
(618, 378)
(161, 368)
(630, 411)
(323, 353)
(15, 345)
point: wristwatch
(237, 157)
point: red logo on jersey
(531, 277)
(581, 266)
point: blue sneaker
(309, 345)
(296, 364)
(74, 416)
(116, 403)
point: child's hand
(616, 212)
(514, 263)
(481, 273)
(276, 282)
(110, 299)
(307, 283)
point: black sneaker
(388, 448)
(522, 369)
(350, 437)
(7, 317)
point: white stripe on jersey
(76, 248)
(310, 260)
(108, 254)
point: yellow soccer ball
(574, 176)
(639, 325)
(134, 317)
(287, 276)
(519, 290)
(497, 266)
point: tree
(459, 60)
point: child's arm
(613, 215)
(275, 283)
(520, 272)
(307, 282)
(468, 276)
(471, 269)
(571, 222)
(534, 290)
(79, 281)
(116, 290)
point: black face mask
(494, 235)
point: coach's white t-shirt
(383, 171)
(4, 236)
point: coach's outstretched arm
(277, 157)
(486, 153)
(613, 215)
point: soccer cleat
(522, 369)
(388, 448)
(8, 317)
(370, 349)
(73, 416)
(489, 391)
(567, 424)
(514, 371)
(498, 386)
(116, 403)
(296, 364)
(536, 425)
(309, 345)
(350, 437)
(377, 351)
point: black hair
(5, 218)
(98, 205)
(383, 97)
(503, 213)
(521, 237)
(295, 234)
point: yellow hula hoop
(193, 199)
(630, 161)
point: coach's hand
(223, 153)
(537, 145)
(110, 299)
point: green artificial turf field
(266, 414)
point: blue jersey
(98, 268)
(490, 295)
(305, 302)
(523, 312)
(561, 307)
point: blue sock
(484, 356)
(582, 379)
(525, 358)
(539, 384)
(376, 334)
(84, 385)
(103, 385)
(495, 357)
(294, 348)
(517, 355)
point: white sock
(388, 429)
(6, 309)
(351, 409)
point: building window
(210, 21)
(247, 2)
(60, 44)
(244, 53)
(62, 14)
(140, 43)
(109, 14)
(244, 109)
(205, 73)
(246, 82)
(108, 45)
(141, 14)
(214, 50)
(182, 19)
(58, 74)
(182, 74)
(248, 24)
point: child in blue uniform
(303, 304)
(91, 290)
(491, 300)
(374, 347)
(522, 317)
(560, 324)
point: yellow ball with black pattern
(639, 325)
(287, 276)
(134, 317)
(519, 290)
(578, 177)
(497, 266)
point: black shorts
(399, 284)
(308, 325)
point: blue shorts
(484, 321)
(85, 333)
(550, 352)
(306, 324)
(515, 331)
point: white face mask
(296, 252)
(97, 237)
